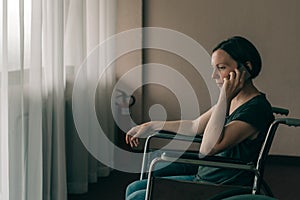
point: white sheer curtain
(32, 100)
(42, 44)
(88, 23)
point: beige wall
(273, 25)
(130, 17)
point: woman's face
(223, 64)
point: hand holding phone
(234, 85)
(243, 68)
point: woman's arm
(218, 137)
(184, 127)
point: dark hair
(242, 50)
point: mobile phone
(242, 68)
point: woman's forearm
(185, 127)
(214, 130)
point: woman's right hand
(143, 130)
(233, 84)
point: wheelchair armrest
(172, 135)
(197, 156)
(212, 161)
(162, 138)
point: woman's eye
(221, 68)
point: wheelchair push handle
(288, 121)
(292, 122)
(280, 111)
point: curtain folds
(88, 24)
(4, 140)
(32, 100)
(42, 45)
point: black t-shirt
(257, 112)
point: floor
(281, 174)
(283, 177)
(109, 188)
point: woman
(233, 128)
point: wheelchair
(180, 156)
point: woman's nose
(215, 74)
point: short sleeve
(257, 112)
